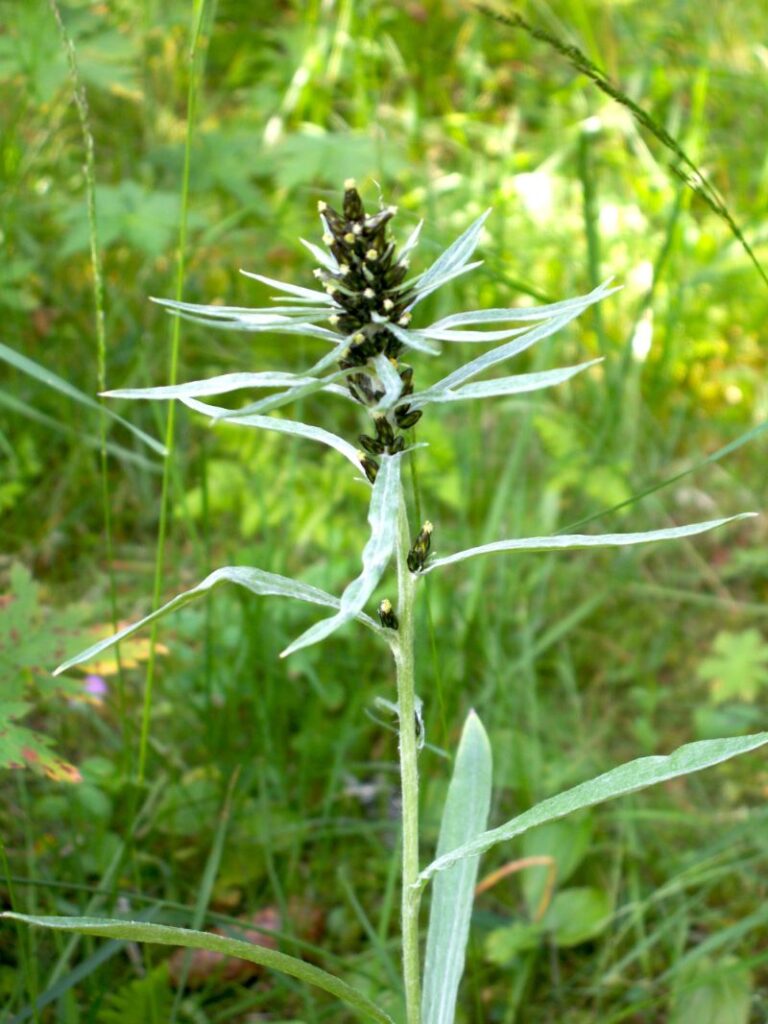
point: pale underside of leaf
(165, 935)
(220, 385)
(423, 289)
(628, 778)
(515, 385)
(305, 294)
(265, 584)
(454, 258)
(465, 816)
(215, 312)
(516, 346)
(574, 541)
(382, 517)
(282, 426)
(391, 380)
(520, 314)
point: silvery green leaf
(283, 398)
(411, 241)
(503, 352)
(326, 259)
(628, 778)
(266, 584)
(254, 325)
(223, 945)
(382, 516)
(228, 312)
(56, 383)
(455, 256)
(412, 339)
(335, 354)
(465, 816)
(446, 334)
(220, 385)
(570, 542)
(525, 313)
(305, 294)
(280, 425)
(391, 381)
(423, 290)
(515, 385)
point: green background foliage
(575, 661)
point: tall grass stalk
(196, 70)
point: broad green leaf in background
(165, 935)
(21, 747)
(567, 843)
(565, 542)
(628, 778)
(255, 580)
(464, 817)
(577, 915)
(382, 517)
(712, 992)
(737, 667)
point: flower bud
(387, 615)
(417, 556)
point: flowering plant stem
(403, 647)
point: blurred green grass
(574, 662)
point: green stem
(409, 771)
(196, 54)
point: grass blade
(627, 778)
(165, 935)
(56, 383)
(464, 817)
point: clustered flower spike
(366, 280)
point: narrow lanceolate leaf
(165, 935)
(281, 426)
(220, 385)
(501, 353)
(628, 778)
(277, 401)
(411, 241)
(423, 290)
(572, 541)
(382, 516)
(413, 339)
(465, 816)
(392, 381)
(521, 314)
(455, 256)
(321, 298)
(266, 584)
(56, 383)
(256, 324)
(326, 259)
(516, 385)
(449, 334)
(228, 312)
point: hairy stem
(409, 771)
